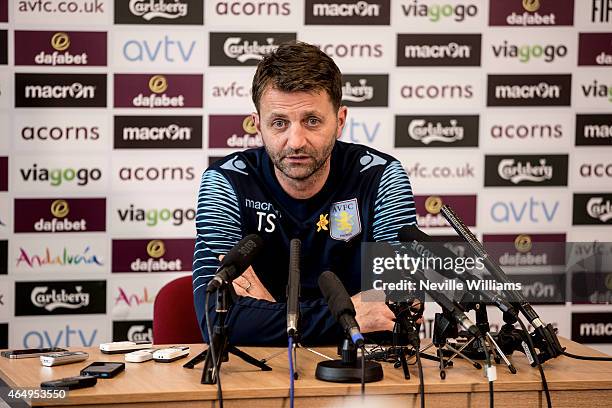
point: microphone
(340, 305)
(236, 262)
(547, 337)
(293, 287)
(493, 268)
(445, 303)
(411, 233)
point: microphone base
(337, 371)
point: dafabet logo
(60, 215)
(157, 255)
(524, 13)
(69, 48)
(158, 91)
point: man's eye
(278, 124)
(313, 121)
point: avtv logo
(357, 131)
(64, 336)
(533, 210)
(141, 48)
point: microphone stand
(445, 327)
(544, 336)
(482, 321)
(220, 343)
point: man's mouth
(297, 158)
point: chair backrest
(174, 317)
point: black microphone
(493, 268)
(293, 287)
(548, 338)
(236, 261)
(451, 307)
(448, 305)
(411, 233)
(340, 305)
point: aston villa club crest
(344, 220)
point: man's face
(299, 130)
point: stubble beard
(310, 172)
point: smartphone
(140, 356)
(72, 383)
(170, 354)
(66, 357)
(117, 347)
(103, 369)
(26, 353)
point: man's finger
(239, 289)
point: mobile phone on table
(64, 357)
(27, 353)
(103, 369)
(71, 383)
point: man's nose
(296, 138)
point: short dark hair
(298, 67)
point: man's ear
(255, 117)
(342, 113)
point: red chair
(174, 317)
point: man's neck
(304, 189)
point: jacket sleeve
(251, 321)
(394, 206)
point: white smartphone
(124, 346)
(65, 357)
(171, 354)
(140, 356)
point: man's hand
(372, 313)
(248, 284)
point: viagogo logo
(56, 177)
(154, 216)
(527, 52)
(440, 12)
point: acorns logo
(158, 84)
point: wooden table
(573, 383)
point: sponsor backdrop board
(111, 109)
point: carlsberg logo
(357, 93)
(242, 50)
(54, 300)
(149, 9)
(516, 172)
(597, 209)
(139, 333)
(427, 132)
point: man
(302, 184)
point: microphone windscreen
(242, 254)
(293, 286)
(409, 233)
(335, 294)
